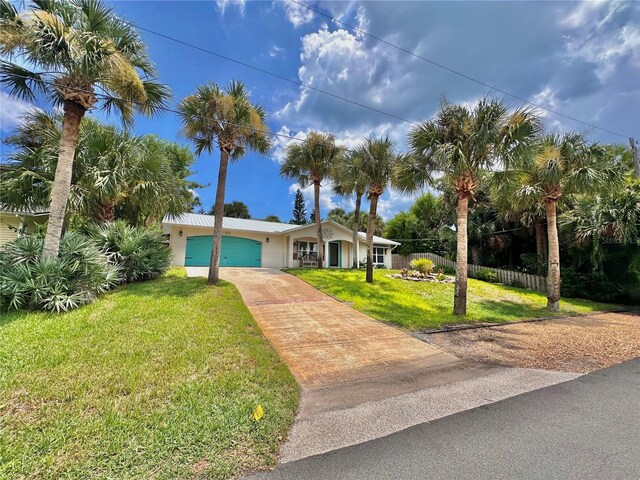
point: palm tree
(224, 117)
(348, 179)
(508, 198)
(460, 142)
(310, 162)
(115, 175)
(565, 165)
(376, 159)
(76, 47)
(612, 216)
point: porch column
(357, 252)
(290, 254)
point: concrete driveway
(362, 379)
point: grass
(425, 305)
(154, 380)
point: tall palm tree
(348, 179)
(376, 159)
(311, 162)
(460, 142)
(75, 47)
(224, 117)
(564, 165)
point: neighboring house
(255, 243)
(14, 224)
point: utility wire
(451, 70)
(275, 75)
(178, 112)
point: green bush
(487, 275)
(79, 273)
(422, 265)
(140, 253)
(590, 285)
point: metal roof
(198, 220)
(241, 224)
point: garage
(235, 252)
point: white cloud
(12, 110)
(296, 14)
(223, 4)
(275, 51)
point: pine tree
(299, 210)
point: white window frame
(378, 253)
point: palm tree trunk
(553, 275)
(356, 225)
(73, 114)
(316, 210)
(460, 295)
(218, 214)
(539, 245)
(371, 225)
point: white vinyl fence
(506, 277)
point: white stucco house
(256, 243)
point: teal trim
(235, 252)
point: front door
(334, 254)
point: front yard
(423, 305)
(155, 380)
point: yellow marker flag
(258, 413)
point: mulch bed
(578, 344)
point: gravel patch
(580, 345)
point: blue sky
(582, 59)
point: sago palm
(310, 163)
(376, 160)
(79, 55)
(459, 143)
(224, 118)
(348, 179)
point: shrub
(79, 273)
(487, 275)
(140, 253)
(422, 265)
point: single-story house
(14, 223)
(256, 243)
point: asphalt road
(588, 428)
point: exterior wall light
(267, 239)
(180, 232)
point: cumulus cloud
(12, 110)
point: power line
(178, 112)
(451, 70)
(275, 75)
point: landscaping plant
(422, 265)
(30, 280)
(139, 253)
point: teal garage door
(236, 252)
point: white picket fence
(506, 277)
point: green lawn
(423, 305)
(154, 380)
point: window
(378, 255)
(305, 249)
